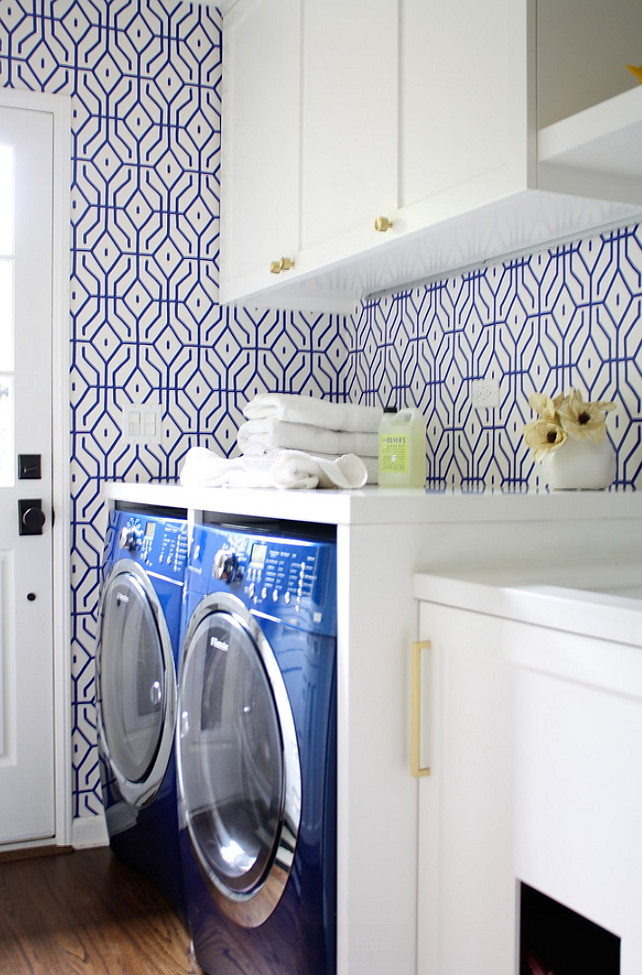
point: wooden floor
(85, 913)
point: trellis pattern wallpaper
(144, 80)
(571, 316)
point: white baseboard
(89, 831)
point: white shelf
(604, 141)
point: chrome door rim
(249, 909)
(140, 793)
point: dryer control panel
(156, 542)
(290, 580)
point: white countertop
(374, 505)
(602, 600)
(501, 544)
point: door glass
(231, 754)
(7, 260)
(131, 678)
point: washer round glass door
(136, 685)
(238, 761)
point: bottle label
(394, 453)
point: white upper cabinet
(260, 140)
(349, 144)
(424, 113)
(463, 115)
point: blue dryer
(136, 694)
(256, 751)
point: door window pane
(7, 478)
(6, 315)
(7, 450)
(6, 201)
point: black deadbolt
(29, 467)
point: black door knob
(31, 517)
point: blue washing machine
(256, 751)
(136, 693)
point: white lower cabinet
(466, 888)
(532, 727)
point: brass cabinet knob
(284, 264)
(382, 224)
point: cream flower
(543, 436)
(584, 420)
(545, 406)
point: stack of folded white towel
(291, 441)
(325, 430)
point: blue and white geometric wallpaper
(571, 316)
(144, 80)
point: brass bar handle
(416, 768)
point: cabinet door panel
(260, 136)
(349, 113)
(465, 805)
(464, 99)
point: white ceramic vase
(580, 465)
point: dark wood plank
(87, 914)
(35, 851)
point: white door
(27, 805)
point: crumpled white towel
(318, 412)
(286, 469)
(295, 468)
(371, 464)
(256, 437)
(204, 468)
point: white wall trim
(89, 831)
(59, 106)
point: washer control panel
(156, 542)
(292, 580)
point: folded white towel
(318, 412)
(256, 437)
(285, 469)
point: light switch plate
(142, 424)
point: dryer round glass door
(238, 761)
(136, 684)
